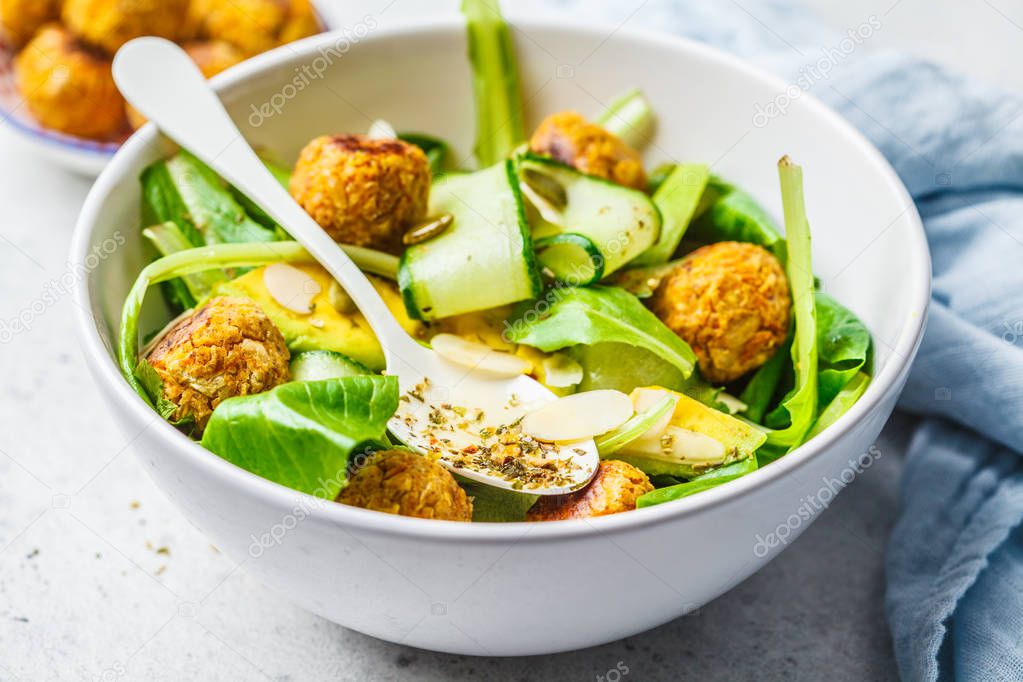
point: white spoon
(457, 413)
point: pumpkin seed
(428, 230)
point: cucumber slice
(677, 198)
(315, 365)
(620, 223)
(572, 258)
(484, 260)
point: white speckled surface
(100, 577)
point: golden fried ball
(21, 19)
(109, 24)
(399, 482)
(730, 302)
(571, 139)
(227, 348)
(363, 191)
(615, 488)
(253, 26)
(69, 87)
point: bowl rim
(287, 500)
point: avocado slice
(327, 327)
(716, 439)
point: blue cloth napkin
(955, 560)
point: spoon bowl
(468, 419)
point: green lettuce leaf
(711, 479)
(496, 505)
(843, 346)
(301, 434)
(500, 126)
(841, 403)
(733, 215)
(596, 315)
(800, 405)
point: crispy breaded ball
(253, 26)
(571, 139)
(109, 24)
(615, 488)
(21, 19)
(363, 191)
(211, 56)
(69, 87)
(730, 302)
(227, 348)
(404, 483)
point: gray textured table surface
(101, 578)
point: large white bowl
(530, 588)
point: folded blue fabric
(955, 560)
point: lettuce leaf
(595, 315)
(500, 126)
(800, 405)
(711, 479)
(843, 346)
(301, 434)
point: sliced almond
(578, 417)
(292, 288)
(561, 371)
(684, 445)
(478, 356)
(381, 130)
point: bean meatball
(69, 87)
(400, 482)
(730, 302)
(615, 488)
(109, 24)
(363, 191)
(211, 56)
(253, 26)
(571, 139)
(21, 19)
(228, 348)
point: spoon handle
(162, 82)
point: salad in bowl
(675, 327)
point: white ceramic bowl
(530, 588)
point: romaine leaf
(843, 346)
(800, 404)
(496, 505)
(677, 198)
(495, 79)
(599, 314)
(711, 479)
(841, 403)
(763, 385)
(630, 117)
(301, 434)
(735, 216)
